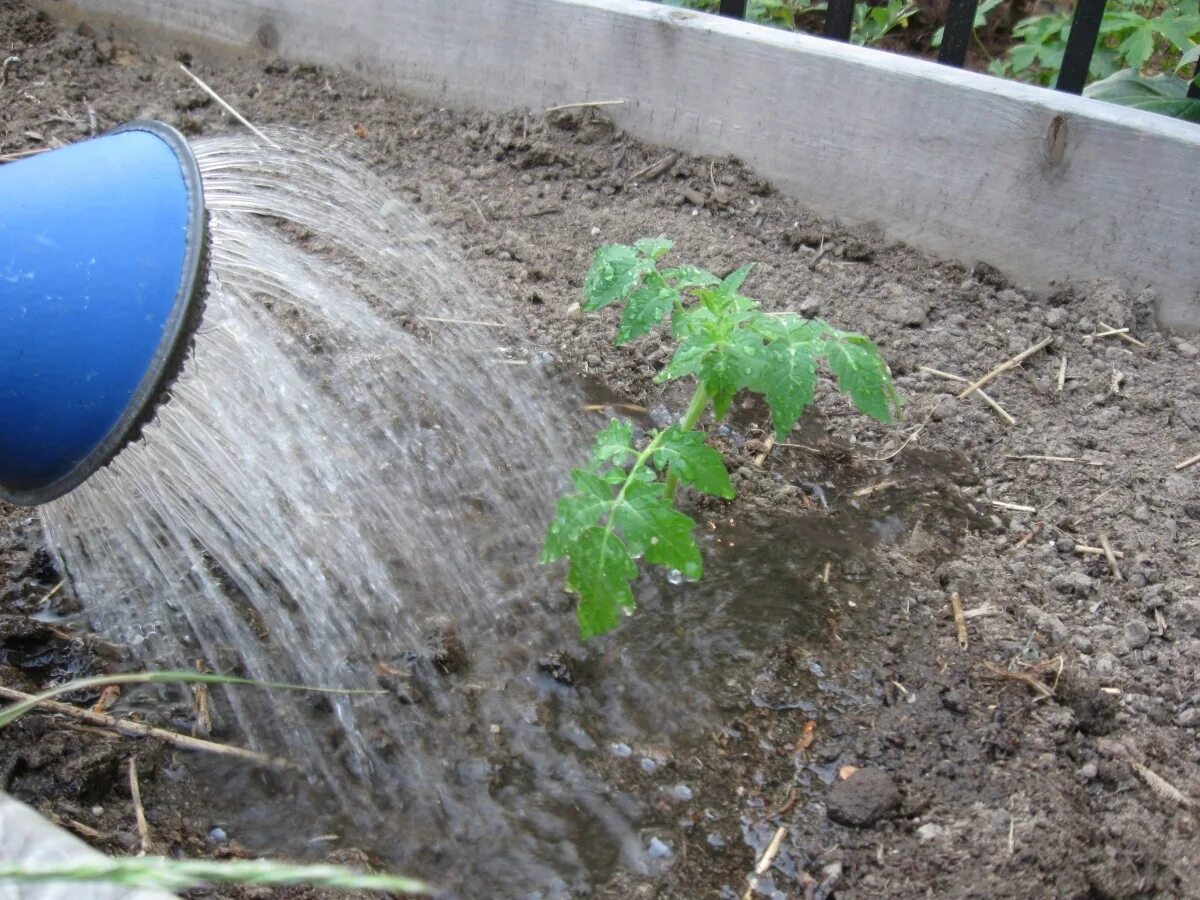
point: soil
(1053, 755)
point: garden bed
(1019, 763)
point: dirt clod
(862, 799)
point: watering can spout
(102, 271)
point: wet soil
(1030, 762)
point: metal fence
(960, 22)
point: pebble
(715, 841)
(862, 799)
(1135, 634)
(1186, 350)
(658, 850)
(930, 832)
(682, 793)
(1073, 583)
(218, 835)
(1189, 718)
(622, 750)
(1088, 772)
(649, 766)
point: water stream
(350, 479)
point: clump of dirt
(1019, 761)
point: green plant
(1163, 94)
(981, 14)
(623, 507)
(869, 25)
(1134, 34)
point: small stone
(621, 750)
(1189, 718)
(557, 665)
(449, 652)
(658, 850)
(1087, 772)
(681, 793)
(930, 832)
(1056, 317)
(649, 766)
(862, 799)
(715, 840)
(1073, 583)
(1186, 350)
(1135, 634)
(218, 835)
(1185, 615)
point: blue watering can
(102, 272)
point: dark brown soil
(1028, 764)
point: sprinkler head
(102, 271)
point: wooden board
(1041, 185)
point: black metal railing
(960, 22)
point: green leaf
(645, 309)
(655, 248)
(787, 378)
(722, 371)
(1138, 47)
(862, 373)
(684, 277)
(687, 358)
(572, 514)
(688, 455)
(613, 444)
(1163, 94)
(601, 570)
(652, 526)
(616, 269)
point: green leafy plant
(1163, 94)
(1134, 34)
(870, 23)
(981, 14)
(623, 506)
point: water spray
(102, 262)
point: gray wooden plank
(956, 163)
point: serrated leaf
(644, 310)
(735, 279)
(652, 526)
(572, 514)
(862, 373)
(787, 378)
(684, 277)
(601, 570)
(613, 444)
(1138, 46)
(687, 358)
(655, 248)
(688, 455)
(616, 270)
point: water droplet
(218, 835)
(675, 576)
(621, 750)
(649, 766)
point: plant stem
(694, 411)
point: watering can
(102, 271)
